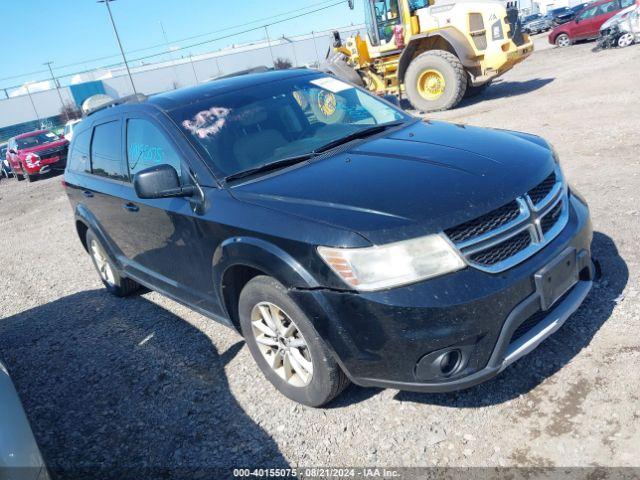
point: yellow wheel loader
(434, 53)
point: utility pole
(173, 63)
(57, 85)
(115, 30)
(193, 68)
(273, 60)
(26, 85)
(315, 46)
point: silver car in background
(20, 458)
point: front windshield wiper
(364, 133)
(285, 162)
(266, 167)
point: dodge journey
(346, 240)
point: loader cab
(381, 16)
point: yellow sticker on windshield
(332, 84)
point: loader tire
(435, 80)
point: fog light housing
(443, 364)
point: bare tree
(70, 111)
(282, 63)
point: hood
(46, 146)
(422, 179)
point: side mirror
(160, 182)
(392, 99)
(578, 20)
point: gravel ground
(146, 382)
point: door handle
(87, 193)
(132, 207)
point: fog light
(449, 362)
(443, 364)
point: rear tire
(435, 80)
(115, 283)
(310, 375)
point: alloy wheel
(281, 344)
(102, 263)
(625, 40)
(563, 40)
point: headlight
(32, 159)
(394, 264)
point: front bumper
(45, 165)
(384, 338)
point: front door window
(387, 14)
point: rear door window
(106, 152)
(79, 154)
(148, 147)
(607, 8)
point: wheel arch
(449, 40)
(553, 36)
(84, 221)
(237, 260)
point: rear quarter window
(78, 160)
(106, 152)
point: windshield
(242, 130)
(36, 140)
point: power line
(159, 45)
(186, 47)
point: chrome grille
(538, 193)
(504, 250)
(512, 233)
(492, 220)
(51, 152)
(550, 219)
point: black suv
(345, 239)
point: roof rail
(137, 98)
(258, 69)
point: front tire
(112, 280)
(286, 346)
(563, 40)
(435, 80)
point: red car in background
(587, 22)
(35, 153)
